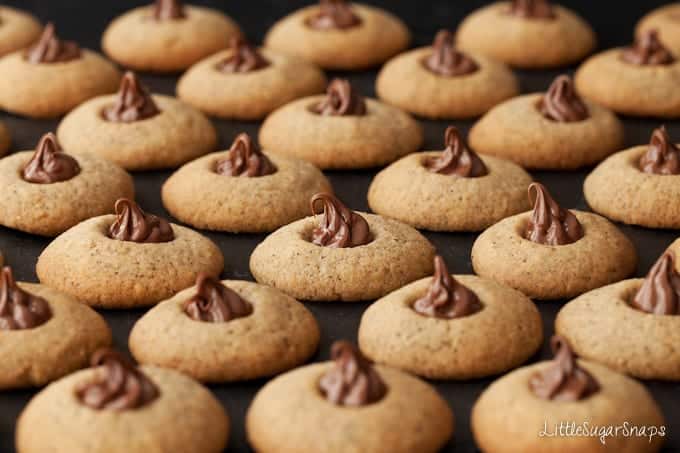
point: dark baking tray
(84, 21)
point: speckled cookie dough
(18, 29)
(41, 84)
(519, 131)
(664, 19)
(218, 342)
(340, 35)
(171, 135)
(527, 34)
(167, 36)
(237, 85)
(441, 82)
(434, 190)
(47, 191)
(352, 132)
(244, 200)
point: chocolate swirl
(446, 298)
(244, 159)
(647, 51)
(20, 309)
(563, 379)
(243, 58)
(340, 100)
(168, 10)
(214, 302)
(660, 292)
(662, 156)
(333, 14)
(561, 103)
(133, 102)
(50, 49)
(456, 159)
(118, 384)
(352, 381)
(134, 225)
(49, 164)
(339, 226)
(532, 9)
(445, 60)
(550, 224)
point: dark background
(85, 20)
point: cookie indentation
(339, 226)
(50, 164)
(214, 302)
(20, 309)
(134, 225)
(245, 159)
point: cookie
(52, 77)
(628, 326)
(167, 36)
(226, 331)
(341, 255)
(450, 190)
(136, 130)
(556, 130)
(246, 83)
(636, 80)
(525, 34)
(459, 316)
(348, 405)
(567, 405)
(242, 189)
(116, 406)
(18, 29)
(639, 185)
(47, 191)
(341, 130)
(339, 35)
(442, 82)
(44, 334)
(665, 20)
(127, 260)
(551, 252)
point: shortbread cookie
(461, 317)
(640, 185)
(242, 190)
(18, 29)
(628, 326)
(665, 21)
(226, 331)
(341, 255)
(248, 83)
(341, 130)
(52, 77)
(418, 188)
(551, 252)
(167, 36)
(127, 260)
(116, 406)
(556, 130)
(348, 405)
(533, 410)
(44, 334)
(47, 191)
(442, 82)
(136, 130)
(340, 35)
(527, 34)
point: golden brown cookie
(527, 34)
(446, 191)
(258, 193)
(340, 35)
(226, 331)
(441, 82)
(160, 132)
(42, 82)
(167, 36)
(341, 130)
(18, 29)
(247, 83)
(665, 21)
(554, 130)
(48, 191)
